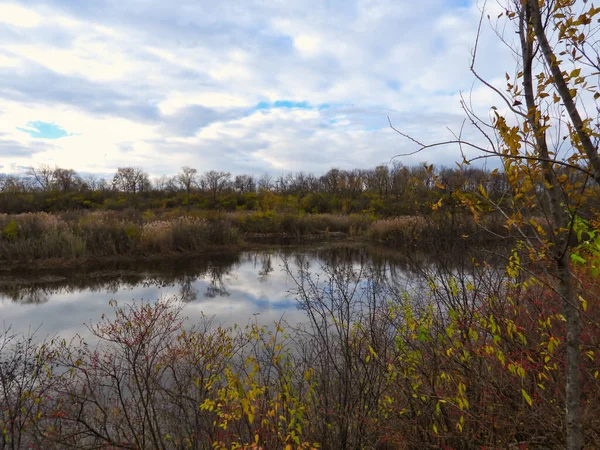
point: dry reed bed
(42, 235)
(73, 234)
(424, 230)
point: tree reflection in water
(212, 274)
(216, 287)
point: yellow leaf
(526, 396)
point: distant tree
(11, 183)
(103, 185)
(302, 184)
(144, 184)
(244, 184)
(90, 182)
(400, 175)
(265, 182)
(165, 183)
(284, 183)
(215, 182)
(43, 175)
(187, 178)
(66, 180)
(331, 181)
(378, 180)
(351, 183)
(131, 180)
(452, 179)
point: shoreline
(41, 241)
(256, 242)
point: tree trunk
(562, 88)
(573, 385)
(557, 204)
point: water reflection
(233, 287)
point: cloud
(242, 86)
(12, 148)
(186, 121)
(13, 14)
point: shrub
(469, 359)
(10, 230)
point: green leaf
(576, 258)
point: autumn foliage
(470, 357)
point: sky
(249, 86)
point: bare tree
(215, 182)
(23, 388)
(131, 180)
(43, 176)
(66, 180)
(11, 183)
(378, 180)
(265, 182)
(187, 178)
(331, 181)
(244, 184)
(165, 183)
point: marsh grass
(300, 225)
(72, 235)
(436, 230)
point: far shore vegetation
(54, 213)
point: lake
(231, 287)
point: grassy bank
(106, 234)
(71, 236)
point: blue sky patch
(393, 84)
(290, 104)
(44, 130)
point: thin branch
(480, 78)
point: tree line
(382, 190)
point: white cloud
(178, 100)
(136, 84)
(308, 44)
(7, 61)
(19, 16)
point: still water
(234, 287)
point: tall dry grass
(300, 225)
(436, 229)
(102, 233)
(74, 234)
